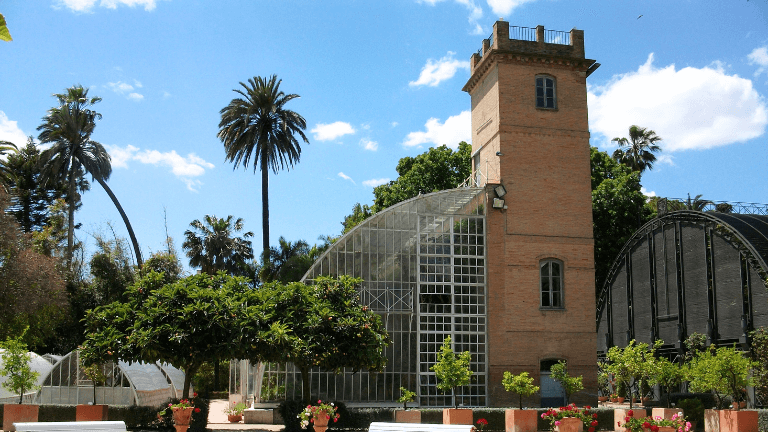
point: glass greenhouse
(423, 266)
(39, 364)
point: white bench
(416, 427)
(90, 426)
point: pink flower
(557, 423)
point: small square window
(545, 92)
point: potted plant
(603, 382)
(19, 378)
(94, 412)
(723, 371)
(677, 423)
(318, 415)
(235, 413)
(520, 420)
(628, 363)
(405, 415)
(667, 375)
(453, 371)
(614, 397)
(182, 413)
(570, 384)
(571, 419)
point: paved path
(217, 420)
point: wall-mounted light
(499, 204)
(500, 191)
(498, 153)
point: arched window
(545, 92)
(551, 284)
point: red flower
(594, 423)
(197, 409)
(594, 415)
(654, 428)
(591, 429)
(194, 394)
(646, 425)
(630, 413)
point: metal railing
(718, 206)
(557, 37)
(522, 33)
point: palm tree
(212, 245)
(69, 127)
(256, 124)
(637, 151)
(697, 204)
(287, 262)
(9, 148)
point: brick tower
(530, 136)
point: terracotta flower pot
(407, 416)
(665, 413)
(181, 418)
(620, 399)
(17, 413)
(569, 424)
(457, 416)
(602, 398)
(518, 420)
(320, 423)
(91, 412)
(738, 421)
(234, 418)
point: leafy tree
(618, 210)
(6, 148)
(667, 374)
(20, 376)
(452, 370)
(258, 125)
(697, 203)
(31, 198)
(286, 263)
(68, 127)
(31, 287)
(521, 384)
(166, 263)
(628, 364)
(637, 152)
(5, 35)
(759, 355)
(437, 169)
(359, 214)
(406, 396)
(724, 371)
(570, 384)
(323, 325)
(213, 246)
(200, 318)
(111, 270)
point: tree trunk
(189, 370)
(305, 387)
(216, 376)
(264, 205)
(112, 196)
(71, 216)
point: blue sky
(378, 80)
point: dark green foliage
(289, 410)
(213, 246)
(618, 209)
(166, 263)
(359, 214)
(637, 152)
(437, 169)
(759, 353)
(58, 413)
(287, 262)
(204, 380)
(693, 409)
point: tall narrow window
(545, 92)
(551, 284)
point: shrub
(693, 409)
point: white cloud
(346, 177)
(504, 8)
(328, 132)
(166, 94)
(123, 88)
(759, 57)
(455, 129)
(435, 72)
(369, 145)
(185, 168)
(647, 192)
(87, 5)
(376, 182)
(10, 131)
(690, 108)
(394, 124)
(137, 83)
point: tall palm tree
(257, 125)
(637, 152)
(213, 246)
(69, 127)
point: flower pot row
(18, 413)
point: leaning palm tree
(637, 152)
(257, 125)
(212, 245)
(68, 127)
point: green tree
(723, 371)
(213, 246)
(16, 367)
(111, 270)
(570, 384)
(521, 384)
(258, 125)
(618, 209)
(166, 263)
(286, 263)
(359, 214)
(6, 148)
(637, 152)
(628, 364)
(68, 127)
(200, 318)
(697, 203)
(5, 35)
(437, 169)
(667, 374)
(759, 355)
(452, 370)
(323, 325)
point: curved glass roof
(38, 364)
(422, 262)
